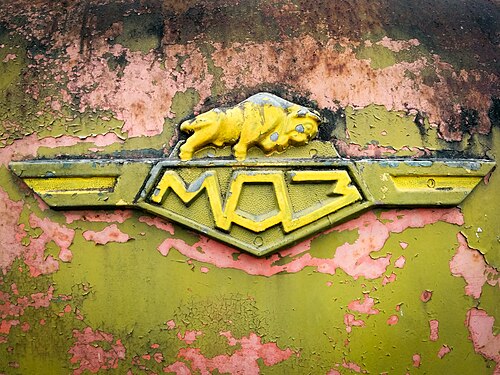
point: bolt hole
(258, 241)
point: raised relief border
(228, 212)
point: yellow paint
(71, 185)
(342, 194)
(263, 120)
(409, 182)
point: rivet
(258, 241)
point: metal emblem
(277, 185)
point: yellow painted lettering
(342, 194)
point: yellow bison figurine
(263, 120)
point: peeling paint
(62, 236)
(416, 360)
(469, 264)
(118, 216)
(480, 326)
(88, 353)
(189, 337)
(391, 79)
(392, 320)
(434, 330)
(365, 307)
(354, 258)
(350, 321)
(426, 296)
(11, 232)
(445, 349)
(400, 262)
(108, 234)
(242, 361)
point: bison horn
(302, 112)
(315, 115)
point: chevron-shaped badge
(251, 201)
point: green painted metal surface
(119, 291)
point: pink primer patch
(368, 151)
(393, 320)
(179, 368)
(90, 355)
(338, 78)
(470, 264)
(354, 259)
(400, 262)
(204, 269)
(12, 306)
(389, 279)
(14, 289)
(189, 336)
(11, 233)
(6, 325)
(351, 366)
(434, 330)
(170, 324)
(65, 255)
(25, 327)
(333, 372)
(109, 234)
(29, 145)
(350, 321)
(420, 217)
(365, 307)
(35, 253)
(242, 361)
(426, 296)
(403, 245)
(9, 57)
(158, 223)
(445, 349)
(416, 360)
(397, 45)
(480, 326)
(41, 299)
(143, 91)
(117, 216)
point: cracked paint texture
(407, 290)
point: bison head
(301, 126)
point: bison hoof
(185, 155)
(239, 154)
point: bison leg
(248, 137)
(186, 153)
(240, 150)
(200, 138)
